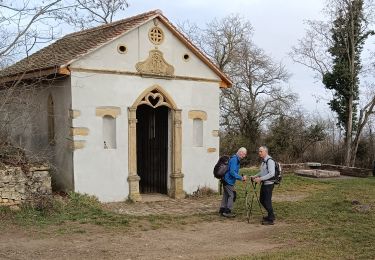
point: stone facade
(17, 187)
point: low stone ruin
(17, 187)
(318, 173)
(313, 169)
(318, 170)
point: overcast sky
(278, 24)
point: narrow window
(51, 120)
(109, 132)
(198, 132)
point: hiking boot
(221, 210)
(229, 215)
(267, 222)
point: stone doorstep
(154, 197)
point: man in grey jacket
(265, 178)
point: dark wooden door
(152, 148)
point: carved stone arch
(155, 96)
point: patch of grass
(76, 207)
(325, 224)
(202, 192)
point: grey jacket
(267, 173)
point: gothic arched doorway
(154, 116)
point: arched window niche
(109, 115)
(198, 118)
(109, 132)
(197, 132)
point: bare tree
(312, 50)
(364, 116)
(23, 25)
(220, 40)
(315, 49)
(83, 14)
(258, 92)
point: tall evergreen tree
(348, 37)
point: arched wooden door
(152, 148)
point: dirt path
(205, 240)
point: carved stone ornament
(154, 100)
(155, 65)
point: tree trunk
(351, 55)
(348, 138)
(354, 150)
(363, 119)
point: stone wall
(17, 187)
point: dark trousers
(266, 199)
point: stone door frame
(162, 98)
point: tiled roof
(75, 45)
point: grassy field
(328, 223)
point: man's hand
(244, 177)
(257, 180)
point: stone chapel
(132, 109)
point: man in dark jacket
(229, 180)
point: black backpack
(221, 167)
(278, 173)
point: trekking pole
(248, 204)
(256, 195)
(251, 206)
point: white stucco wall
(103, 172)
